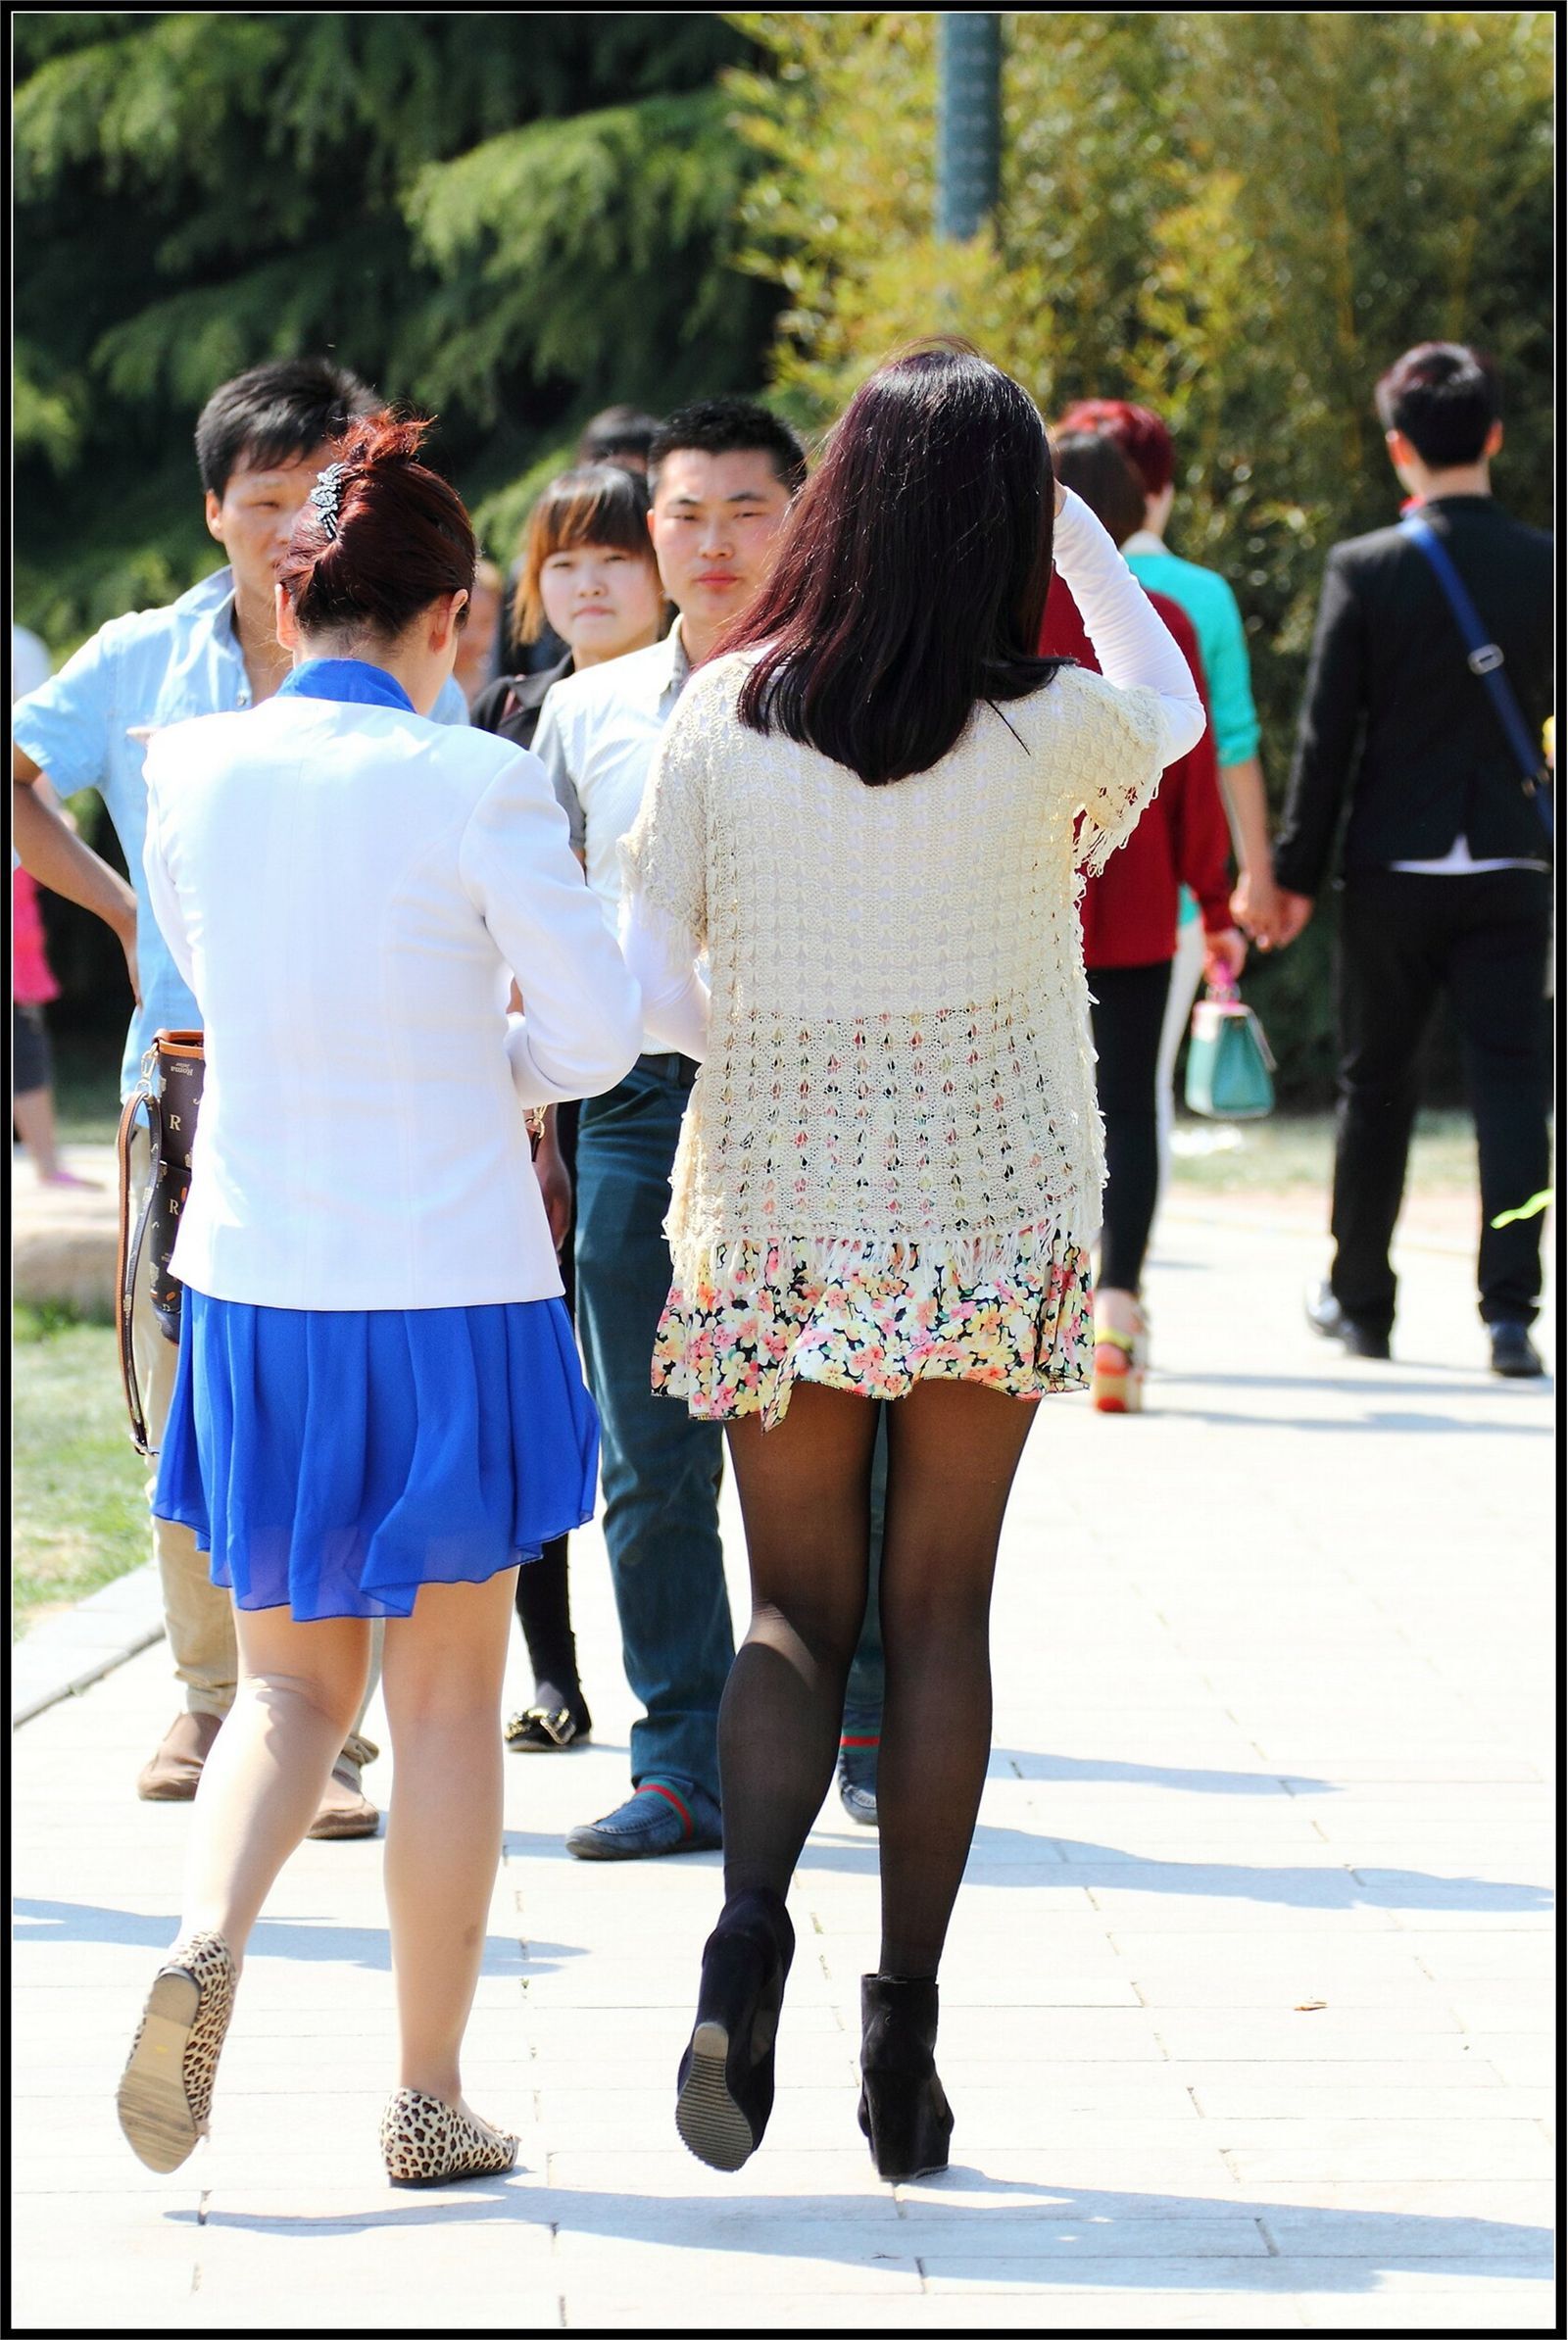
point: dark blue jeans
(862, 1692)
(660, 1468)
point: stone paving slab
(66, 1653)
(64, 1239)
(1248, 2007)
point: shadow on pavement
(1003, 1856)
(962, 2228)
(1385, 1377)
(1027, 1765)
(998, 1855)
(328, 1942)
(1375, 1417)
(529, 1844)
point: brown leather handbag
(168, 1097)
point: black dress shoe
(1325, 1315)
(1513, 1353)
(556, 1720)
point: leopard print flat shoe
(165, 2092)
(426, 2142)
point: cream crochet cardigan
(897, 1067)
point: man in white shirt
(722, 474)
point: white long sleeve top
(348, 889)
(1134, 650)
(895, 1027)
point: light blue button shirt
(88, 727)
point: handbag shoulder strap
(131, 1243)
(1483, 657)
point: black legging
(1128, 1015)
(543, 1596)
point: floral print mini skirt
(748, 1321)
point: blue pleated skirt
(333, 1461)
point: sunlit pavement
(1246, 2011)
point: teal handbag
(1228, 1064)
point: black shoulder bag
(167, 1095)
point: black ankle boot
(902, 2109)
(726, 2074)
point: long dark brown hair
(912, 571)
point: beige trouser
(197, 1615)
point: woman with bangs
(589, 574)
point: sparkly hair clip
(326, 495)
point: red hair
(1141, 436)
(380, 539)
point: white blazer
(348, 890)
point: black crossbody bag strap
(1484, 660)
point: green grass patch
(1296, 1149)
(79, 1501)
(87, 1090)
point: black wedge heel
(726, 2074)
(904, 2110)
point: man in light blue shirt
(211, 652)
(261, 441)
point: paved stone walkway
(1247, 2005)
(63, 1238)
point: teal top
(1217, 622)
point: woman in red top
(1129, 928)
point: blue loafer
(659, 1816)
(857, 1778)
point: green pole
(969, 121)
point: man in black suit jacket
(1445, 866)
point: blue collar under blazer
(349, 889)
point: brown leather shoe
(345, 1809)
(170, 1778)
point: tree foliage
(510, 218)
(513, 219)
(1239, 219)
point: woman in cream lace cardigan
(869, 816)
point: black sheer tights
(952, 1448)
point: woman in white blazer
(379, 1410)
